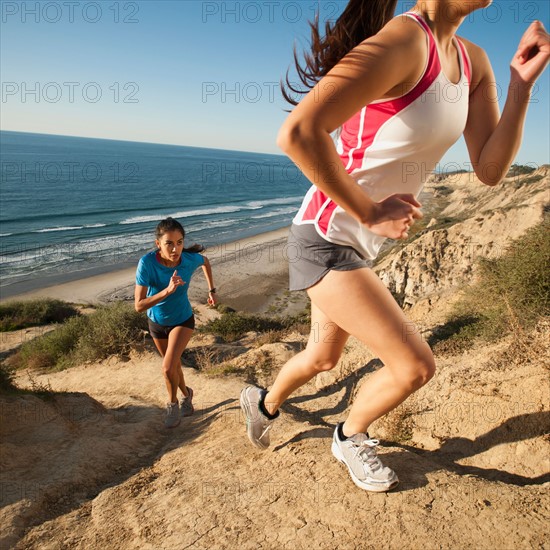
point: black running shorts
(161, 332)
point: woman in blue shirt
(162, 282)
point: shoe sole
(248, 414)
(361, 484)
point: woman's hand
(212, 300)
(532, 54)
(175, 282)
(394, 216)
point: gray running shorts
(310, 257)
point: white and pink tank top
(393, 145)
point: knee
(323, 364)
(169, 366)
(420, 372)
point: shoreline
(247, 273)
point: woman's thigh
(161, 344)
(177, 342)
(360, 304)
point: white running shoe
(173, 418)
(257, 424)
(358, 453)
(186, 404)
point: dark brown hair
(360, 20)
(170, 224)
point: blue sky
(200, 73)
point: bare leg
(324, 347)
(171, 349)
(181, 384)
(162, 345)
(359, 303)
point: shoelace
(366, 450)
(266, 430)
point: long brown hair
(170, 224)
(360, 20)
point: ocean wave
(50, 229)
(185, 214)
(279, 212)
(270, 202)
(34, 259)
(214, 224)
(62, 228)
(98, 249)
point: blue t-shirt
(175, 308)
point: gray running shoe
(257, 424)
(358, 453)
(186, 404)
(172, 415)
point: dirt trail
(96, 469)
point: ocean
(72, 207)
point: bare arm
(493, 140)
(143, 303)
(207, 270)
(376, 68)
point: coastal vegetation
(510, 296)
(23, 314)
(110, 330)
(234, 325)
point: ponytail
(360, 20)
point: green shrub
(512, 292)
(111, 330)
(23, 314)
(519, 170)
(54, 349)
(234, 325)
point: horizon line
(144, 142)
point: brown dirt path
(97, 470)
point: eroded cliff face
(467, 221)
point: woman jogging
(162, 282)
(401, 91)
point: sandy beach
(248, 274)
